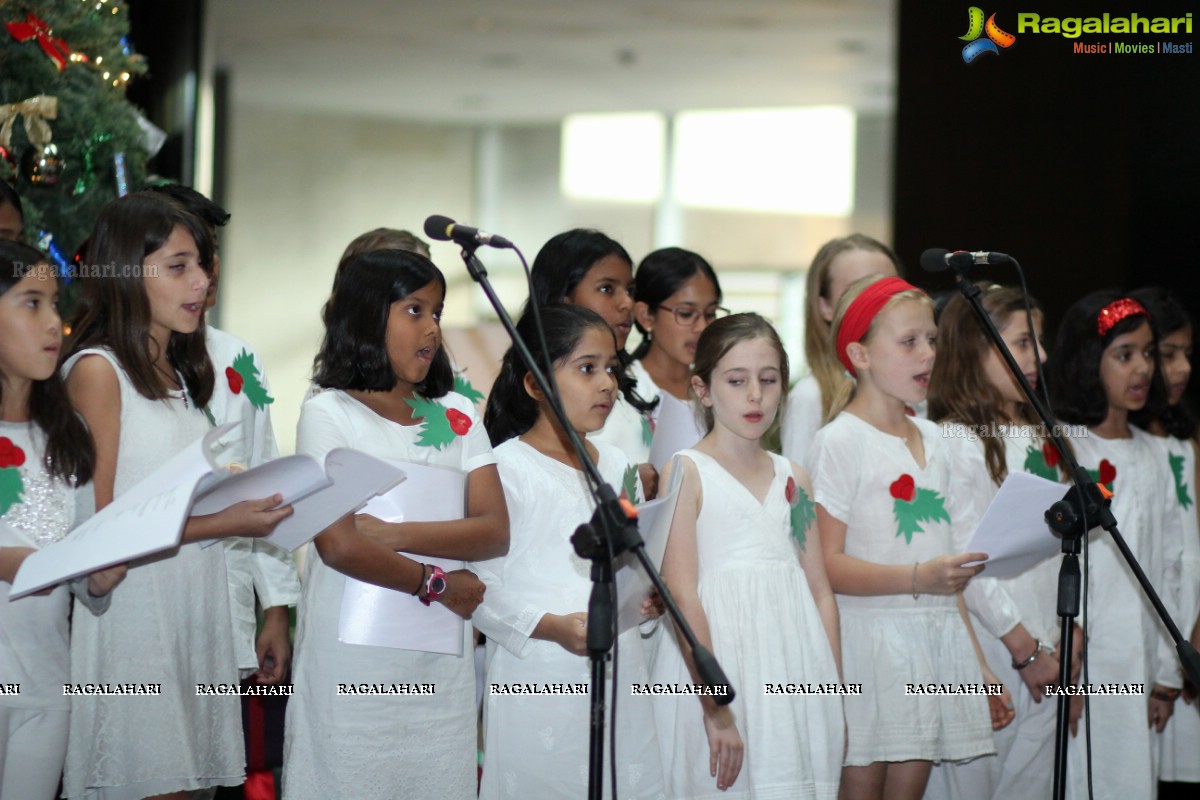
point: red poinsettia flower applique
(789, 491)
(10, 454)
(903, 488)
(1050, 453)
(460, 423)
(912, 506)
(12, 487)
(236, 381)
(1108, 472)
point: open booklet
(654, 524)
(374, 616)
(1013, 531)
(150, 517)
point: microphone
(444, 229)
(937, 259)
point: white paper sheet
(144, 520)
(151, 516)
(319, 495)
(1013, 531)
(377, 617)
(654, 524)
(676, 428)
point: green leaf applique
(441, 425)
(629, 485)
(243, 378)
(647, 430)
(1035, 464)
(913, 505)
(464, 387)
(804, 511)
(1105, 475)
(1181, 489)
(12, 488)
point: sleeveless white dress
(765, 629)
(168, 623)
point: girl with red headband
(839, 263)
(1104, 374)
(888, 506)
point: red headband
(863, 309)
(1116, 311)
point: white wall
(302, 186)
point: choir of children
(866, 648)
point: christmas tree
(70, 141)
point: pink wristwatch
(435, 587)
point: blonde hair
(385, 239)
(846, 391)
(818, 345)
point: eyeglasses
(687, 315)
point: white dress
(1024, 762)
(765, 629)
(167, 623)
(1124, 641)
(801, 419)
(628, 429)
(890, 641)
(537, 745)
(34, 631)
(368, 746)
(1181, 737)
(255, 567)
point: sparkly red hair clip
(1116, 311)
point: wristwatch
(435, 587)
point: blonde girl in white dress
(887, 509)
(839, 263)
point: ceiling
(478, 61)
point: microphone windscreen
(438, 227)
(932, 260)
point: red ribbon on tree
(35, 26)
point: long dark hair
(559, 267)
(70, 454)
(114, 311)
(1073, 370)
(1167, 315)
(353, 354)
(660, 275)
(510, 410)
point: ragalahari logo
(976, 28)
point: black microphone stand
(609, 533)
(1082, 508)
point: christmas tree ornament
(36, 28)
(46, 243)
(42, 166)
(34, 111)
(121, 175)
